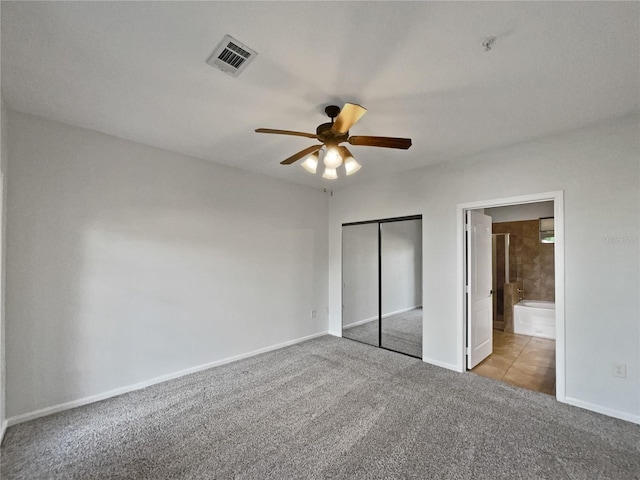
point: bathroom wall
(534, 261)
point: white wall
(516, 213)
(599, 170)
(3, 208)
(126, 263)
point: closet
(382, 283)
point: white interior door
(479, 288)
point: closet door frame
(379, 222)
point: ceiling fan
(331, 135)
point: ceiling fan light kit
(351, 166)
(311, 163)
(332, 134)
(332, 158)
(330, 173)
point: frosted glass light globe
(330, 173)
(351, 166)
(311, 163)
(332, 158)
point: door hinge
(468, 351)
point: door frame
(558, 210)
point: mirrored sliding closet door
(382, 284)
(401, 252)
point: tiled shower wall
(534, 262)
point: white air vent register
(231, 56)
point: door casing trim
(558, 209)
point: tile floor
(523, 361)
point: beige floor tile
(508, 351)
(542, 343)
(521, 378)
(523, 361)
(537, 356)
(499, 362)
(531, 369)
(495, 365)
(512, 338)
(528, 370)
(503, 340)
(530, 384)
(488, 370)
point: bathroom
(523, 297)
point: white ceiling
(138, 71)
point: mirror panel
(360, 283)
(401, 254)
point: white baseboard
(390, 314)
(360, 322)
(610, 412)
(24, 417)
(438, 363)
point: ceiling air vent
(231, 56)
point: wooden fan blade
(301, 154)
(347, 117)
(286, 132)
(387, 142)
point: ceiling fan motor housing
(324, 132)
(326, 135)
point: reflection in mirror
(401, 252)
(360, 283)
(500, 265)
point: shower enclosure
(504, 272)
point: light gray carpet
(326, 408)
(401, 332)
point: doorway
(382, 283)
(532, 351)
